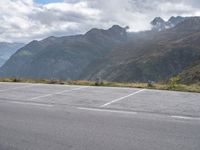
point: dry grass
(159, 86)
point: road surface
(62, 117)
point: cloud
(25, 20)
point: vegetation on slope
(172, 84)
(191, 74)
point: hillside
(62, 57)
(191, 74)
(155, 56)
(113, 54)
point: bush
(53, 82)
(99, 83)
(16, 80)
(150, 84)
(173, 82)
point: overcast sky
(25, 20)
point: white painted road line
(57, 93)
(121, 98)
(106, 110)
(21, 87)
(134, 113)
(185, 117)
(30, 103)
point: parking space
(4, 86)
(167, 102)
(127, 99)
(88, 96)
(27, 92)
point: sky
(26, 20)
(47, 1)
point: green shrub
(150, 84)
(173, 82)
(99, 83)
(16, 80)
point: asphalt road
(60, 117)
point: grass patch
(158, 86)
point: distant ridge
(63, 57)
(171, 48)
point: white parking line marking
(48, 95)
(31, 103)
(21, 87)
(134, 113)
(107, 110)
(121, 98)
(185, 117)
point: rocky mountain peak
(115, 32)
(157, 21)
(158, 24)
(175, 20)
(116, 28)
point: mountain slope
(191, 74)
(114, 54)
(156, 56)
(64, 57)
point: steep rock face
(158, 24)
(64, 57)
(176, 20)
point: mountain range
(171, 48)
(159, 24)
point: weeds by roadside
(172, 85)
